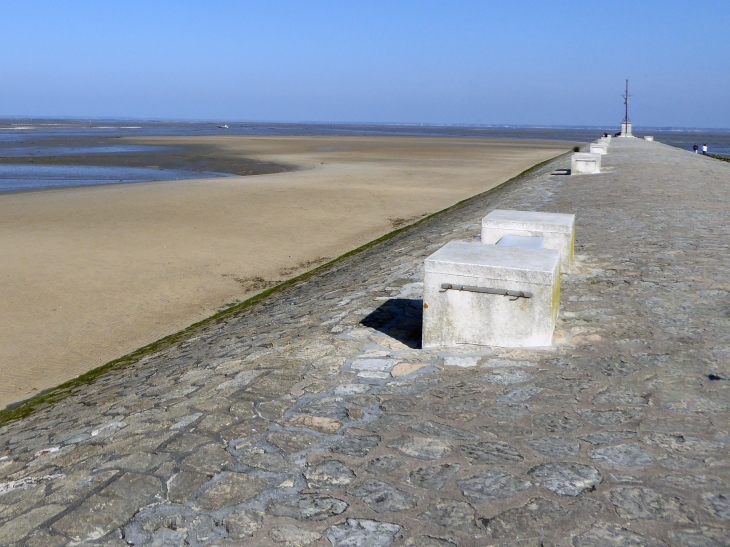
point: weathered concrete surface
(463, 315)
(557, 229)
(599, 147)
(312, 420)
(585, 163)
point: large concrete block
(491, 295)
(599, 148)
(626, 130)
(557, 230)
(582, 163)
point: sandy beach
(90, 274)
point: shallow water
(46, 151)
(718, 142)
(19, 178)
(23, 138)
(24, 130)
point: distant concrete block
(583, 163)
(626, 129)
(515, 228)
(599, 148)
(490, 295)
(648, 138)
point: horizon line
(81, 119)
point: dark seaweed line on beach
(718, 157)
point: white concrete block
(460, 307)
(526, 242)
(582, 163)
(648, 138)
(557, 231)
(599, 148)
(626, 129)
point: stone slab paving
(313, 419)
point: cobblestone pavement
(313, 419)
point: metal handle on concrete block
(487, 290)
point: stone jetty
(313, 418)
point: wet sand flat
(90, 274)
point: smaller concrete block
(516, 222)
(526, 242)
(599, 148)
(557, 231)
(648, 138)
(466, 314)
(583, 163)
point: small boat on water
(224, 126)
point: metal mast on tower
(626, 124)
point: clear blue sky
(483, 62)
